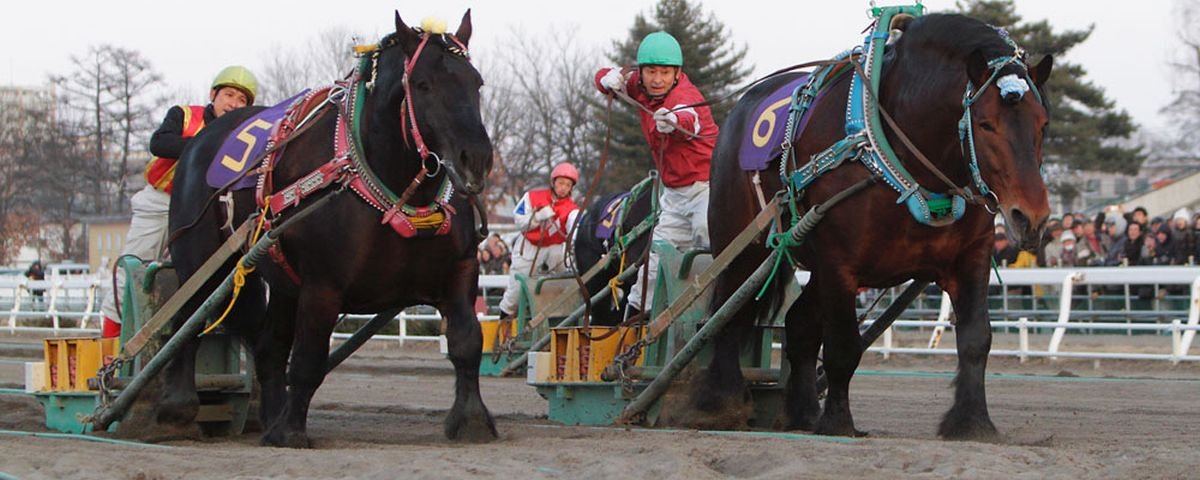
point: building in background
(105, 238)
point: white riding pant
(682, 222)
(147, 234)
(526, 256)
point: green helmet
(238, 77)
(660, 48)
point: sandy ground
(379, 416)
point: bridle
(431, 163)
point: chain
(106, 375)
(625, 360)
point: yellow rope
(239, 275)
(614, 284)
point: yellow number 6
(768, 117)
(248, 138)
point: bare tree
(40, 156)
(325, 57)
(84, 92)
(535, 112)
(1185, 105)
(17, 187)
(132, 112)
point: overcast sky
(188, 42)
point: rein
(965, 193)
(731, 95)
(385, 199)
(305, 124)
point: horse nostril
(1018, 219)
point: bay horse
(416, 103)
(868, 240)
(599, 227)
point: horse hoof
(979, 430)
(177, 415)
(835, 428)
(286, 440)
(806, 423)
(471, 429)
(161, 432)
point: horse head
(1009, 120)
(430, 88)
(953, 72)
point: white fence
(72, 307)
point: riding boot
(631, 311)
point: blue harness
(865, 141)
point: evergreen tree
(710, 60)
(1087, 131)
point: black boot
(631, 312)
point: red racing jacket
(551, 232)
(685, 159)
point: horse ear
(408, 37)
(464, 29)
(400, 26)
(977, 68)
(1041, 72)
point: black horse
(597, 232)
(870, 241)
(418, 90)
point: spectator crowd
(1112, 238)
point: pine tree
(710, 60)
(1087, 131)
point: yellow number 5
(248, 138)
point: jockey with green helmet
(681, 138)
(234, 87)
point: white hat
(1182, 213)
(1067, 235)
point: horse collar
(407, 220)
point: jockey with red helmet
(545, 217)
(681, 139)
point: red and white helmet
(565, 169)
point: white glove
(613, 80)
(545, 213)
(665, 120)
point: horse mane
(957, 36)
(935, 41)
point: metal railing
(1174, 317)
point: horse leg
(803, 328)
(843, 350)
(179, 403)
(968, 418)
(468, 418)
(246, 323)
(721, 392)
(271, 350)
(317, 311)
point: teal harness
(865, 141)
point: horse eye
(987, 126)
(424, 85)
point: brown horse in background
(870, 241)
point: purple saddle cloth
(766, 129)
(609, 220)
(245, 144)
